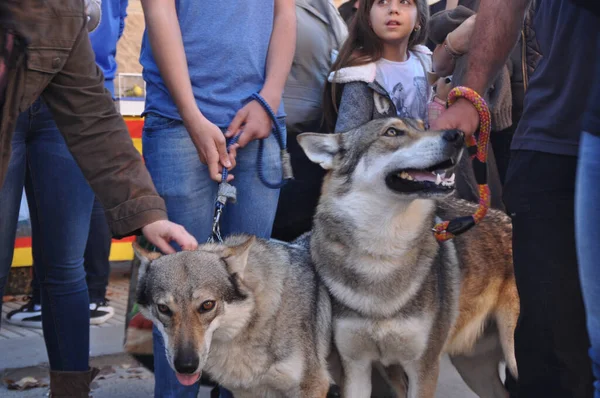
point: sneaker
(100, 312)
(29, 316)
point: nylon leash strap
(228, 193)
(478, 150)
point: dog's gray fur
(269, 333)
(400, 298)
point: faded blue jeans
(189, 193)
(60, 203)
(587, 220)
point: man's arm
(443, 62)
(164, 33)
(279, 62)
(496, 31)
(123, 14)
(100, 143)
(456, 44)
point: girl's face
(393, 21)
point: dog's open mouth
(437, 178)
(187, 379)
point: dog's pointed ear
(420, 124)
(145, 257)
(236, 257)
(320, 148)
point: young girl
(382, 68)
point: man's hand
(253, 120)
(161, 232)
(460, 38)
(462, 115)
(211, 146)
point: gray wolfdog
(249, 312)
(400, 298)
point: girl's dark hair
(362, 47)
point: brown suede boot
(71, 384)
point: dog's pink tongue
(188, 380)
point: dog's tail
(507, 314)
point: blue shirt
(226, 45)
(560, 86)
(104, 39)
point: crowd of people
(319, 69)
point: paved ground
(23, 355)
(122, 377)
(23, 347)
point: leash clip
(216, 227)
(226, 192)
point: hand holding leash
(253, 120)
(228, 192)
(211, 146)
(462, 116)
(478, 151)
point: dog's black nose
(455, 136)
(186, 363)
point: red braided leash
(478, 151)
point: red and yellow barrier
(135, 126)
(120, 250)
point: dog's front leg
(319, 389)
(397, 378)
(422, 379)
(357, 378)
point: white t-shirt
(406, 83)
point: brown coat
(56, 61)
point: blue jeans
(587, 213)
(60, 202)
(95, 258)
(189, 193)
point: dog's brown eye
(163, 309)
(206, 306)
(392, 132)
